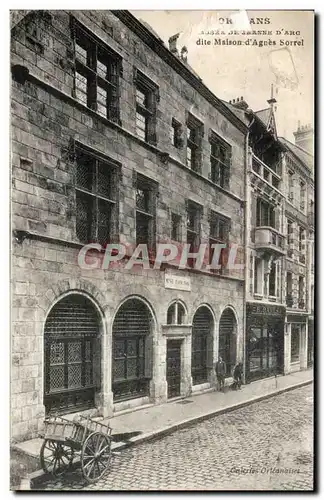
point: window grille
(96, 198)
(97, 69)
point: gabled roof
(267, 117)
(263, 115)
(301, 154)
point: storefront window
(255, 349)
(295, 344)
(263, 354)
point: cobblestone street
(264, 446)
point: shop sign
(177, 282)
(265, 310)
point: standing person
(237, 375)
(220, 369)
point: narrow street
(264, 446)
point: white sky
(248, 71)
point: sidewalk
(145, 423)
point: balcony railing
(269, 239)
(265, 172)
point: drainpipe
(247, 230)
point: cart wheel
(95, 456)
(55, 457)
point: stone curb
(37, 477)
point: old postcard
(162, 217)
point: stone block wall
(45, 121)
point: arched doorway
(72, 355)
(227, 339)
(132, 351)
(201, 344)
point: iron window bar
(94, 209)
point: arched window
(176, 314)
(72, 355)
(227, 339)
(202, 327)
(132, 350)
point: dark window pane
(191, 220)
(119, 369)
(85, 172)
(272, 280)
(104, 221)
(215, 171)
(171, 315)
(295, 341)
(142, 228)
(105, 180)
(84, 216)
(181, 314)
(175, 227)
(143, 199)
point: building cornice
(175, 63)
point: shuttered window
(227, 340)
(71, 332)
(201, 329)
(131, 351)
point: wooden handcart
(64, 439)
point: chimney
(184, 54)
(239, 103)
(173, 44)
(304, 137)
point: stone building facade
(279, 246)
(298, 284)
(114, 139)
